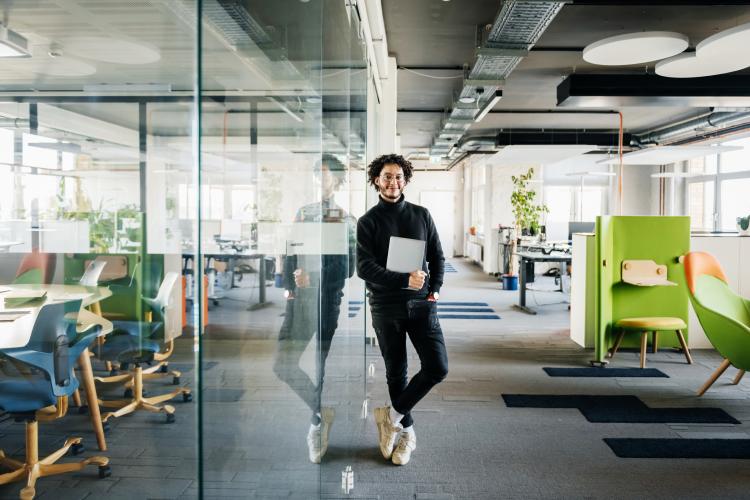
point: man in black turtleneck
(401, 303)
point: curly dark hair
(376, 166)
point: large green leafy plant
(526, 212)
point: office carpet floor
(469, 444)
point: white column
(387, 111)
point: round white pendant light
(721, 53)
(635, 48)
(110, 50)
(59, 66)
(690, 66)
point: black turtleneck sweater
(374, 231)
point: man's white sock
(396, 417)
(410, 430)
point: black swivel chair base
(33, 468)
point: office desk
(5, 245)
(231, 259)
(524, 258)
(17, 334)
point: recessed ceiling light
(466, 100)
(635, 48)
(314, 100)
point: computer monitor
(580, 227)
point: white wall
(449, 184)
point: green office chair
(724, 315)
(40, 392)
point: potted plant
(743, 225)
(527, 215)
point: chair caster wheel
(175, 380)
(128, 394)
(163, 369)
(187, 397)
(104, 471)
(170, 418)
(83, 409)
(600, 364)
(77, 449)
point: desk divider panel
(658, 238)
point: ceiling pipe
(14, 122)
(664, 135)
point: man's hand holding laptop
(416, 279)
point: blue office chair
(41, 392)
(138, 343)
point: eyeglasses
(388, 178)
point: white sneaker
(387, 431)
(407, 442)
(317, 436)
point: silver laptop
(405, 255)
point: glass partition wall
(181, 175)
(282, 130)
(96, 173)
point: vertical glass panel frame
(278, 146)
(92, 128)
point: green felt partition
(619, 238)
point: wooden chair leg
(684, 345)
(739, 376)
(618, 341)
(721, 369)
(644, 342)
(654, 341)
(77, 398)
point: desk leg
(261, 286)
(87, 377)
(521, 306)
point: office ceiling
(425, 34)
(261, 48)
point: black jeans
(392, 324)
(309, 314)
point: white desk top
(14, 334)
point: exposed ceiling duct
(686, 129)
(617, 91)
(516, 29)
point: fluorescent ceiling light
(127, 87)
(673, 175)
(635, 48)
(490, 104)
(591, 174)
(12, 44)
(532, 156)
(721, 53)
(664, 155)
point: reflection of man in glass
(314, 285)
